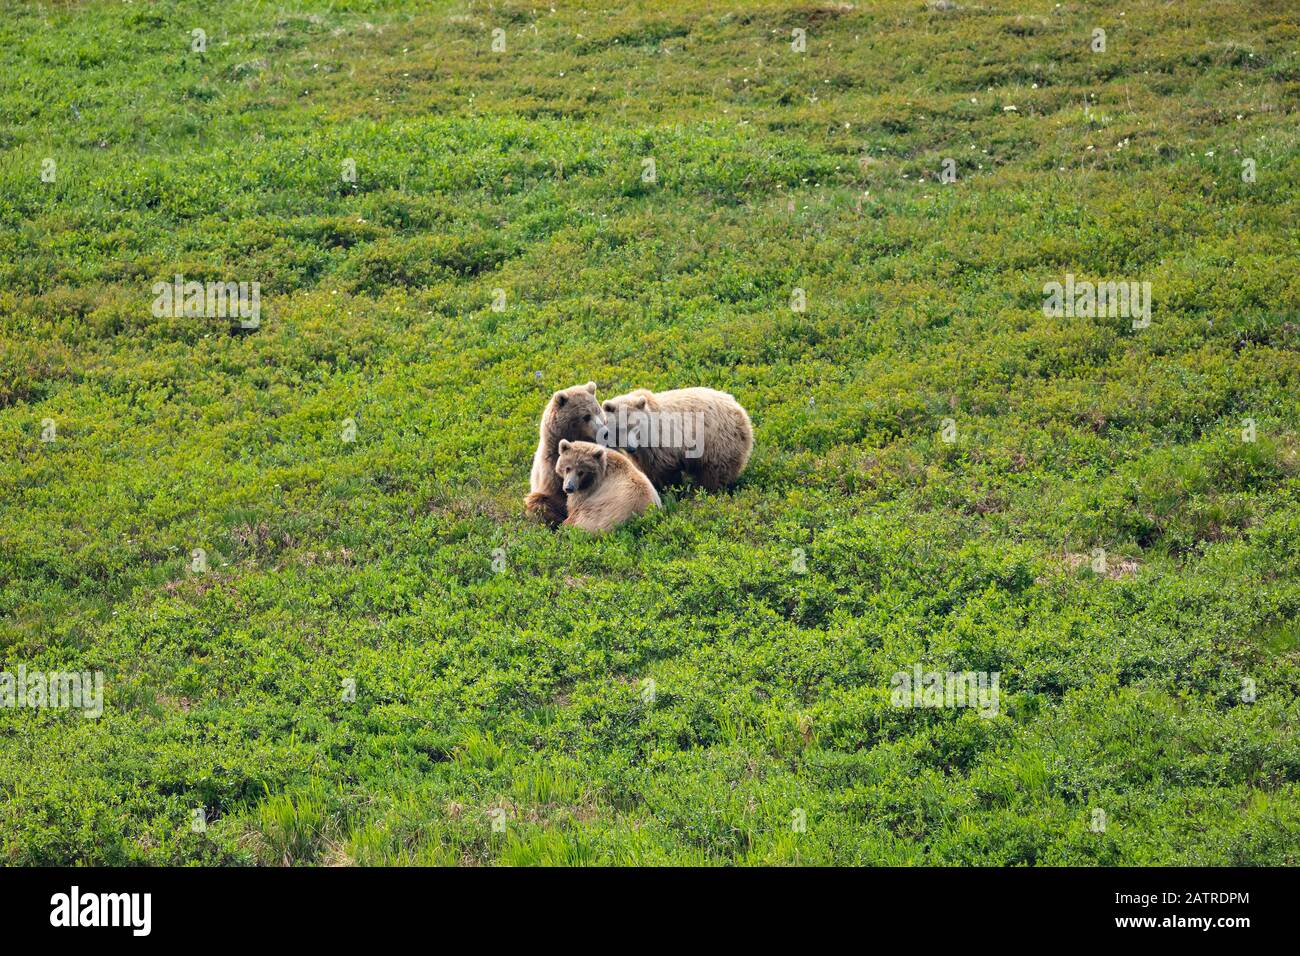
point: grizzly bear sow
(574, 414)
(604, 487)
(695, 431)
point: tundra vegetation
(297, 553)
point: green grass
(519, 698)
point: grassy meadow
(376, 659)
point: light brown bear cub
(695, 431)
(573, 414)
(604, 487)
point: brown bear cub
(573, 414)
(604, 487)
(687, 431)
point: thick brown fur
(572, 414)
(605, 489)
(725, 437)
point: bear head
(581, 465)
(574, 413)
(627, 419)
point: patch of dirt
(1117, 566)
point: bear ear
(639, 401)
(565, 444)
(591, 387)
(560, 399)
(600, 453)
